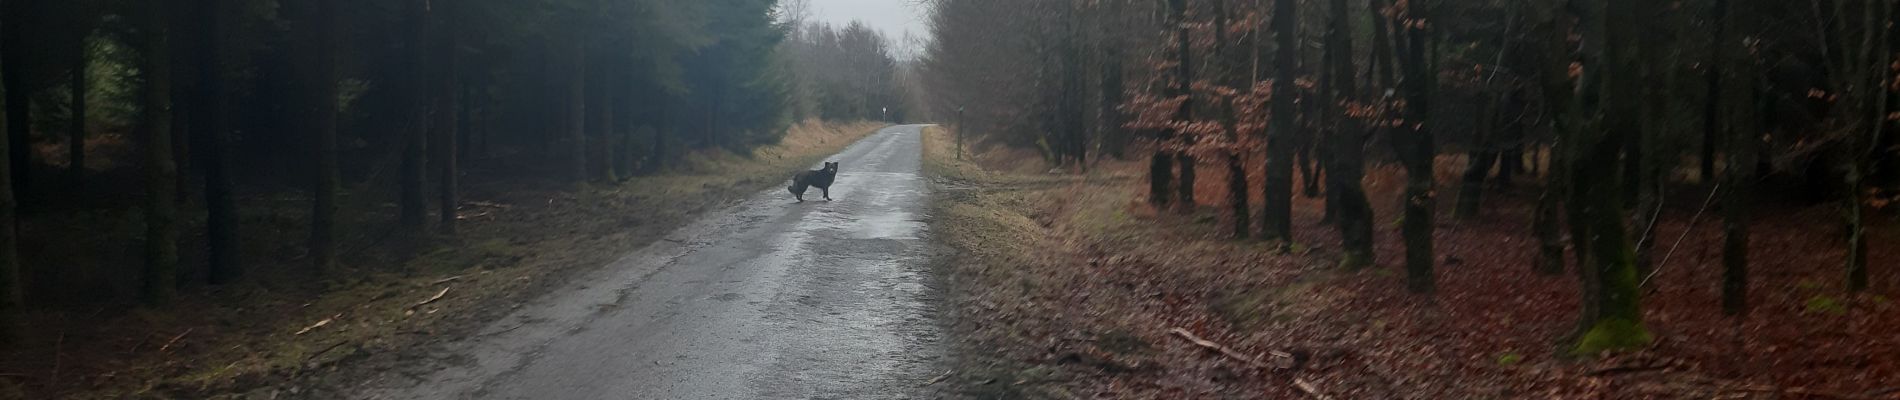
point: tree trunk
(1416, 151)
(1546, 223)
(160, 277)
(1312, 163)
(1350, 209)
(1876, 124)
(1184, 74)
(577, 112)
(1612, 317)
(1711, 111)
(1237, 192)
(1511, 159)
(1735, 116)
(1647, 112)
(221, 224)
(1276, 220)
(318, 22)
(1478, 161)
(447, 101)
(413, 207)
(19, 95)
(464, 118)
(184, 41)
(1553, 30)
(1185, 190)
(76, 131)
(12, 290)
(1161, 179)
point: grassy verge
(988, 219)
(518, 239)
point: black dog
(820, 179)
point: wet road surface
(766, 300)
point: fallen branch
(319, 324)
(1216, 347)
(438, 296)
(487, 204)
(1310, 390)
(175, 339)
(446, 280)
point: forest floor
(519, 237)
(1069, 286)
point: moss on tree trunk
(1612, 311)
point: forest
(177, 157)
(1596, 118)
(186, 178)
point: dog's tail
(797, 186)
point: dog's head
(831, 166)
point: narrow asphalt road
(766, 300)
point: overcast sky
(894, 17)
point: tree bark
(1351, 211)
(413, 207)
(160, 276)
(76, 131)
(12, 290)
(1612, 317)
(1161, 174)
(1237, 192)
(448, 99)
(1416, 151)
(1735, 204)
(221, 224)
(318, 23)
(19, 94)
(1161, 179)
(1876, 123)
(184, 42)
(1553, 30)
(1735, 119)
(1276, 219)
(1712, 118)
(1478, 162)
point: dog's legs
(827, 193)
